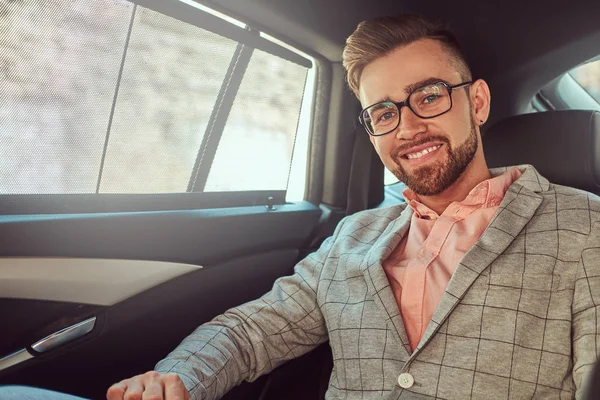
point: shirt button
(406, 380)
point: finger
(135, 388)
(174, 388)
(153, 389)
(116, 391)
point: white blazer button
(406, 380)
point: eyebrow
(408, 89)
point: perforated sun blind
(101, 96)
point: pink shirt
(425, 259)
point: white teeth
(423, 152)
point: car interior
(116, 243)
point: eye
(383, 114)
(386, 116)
(431, 98)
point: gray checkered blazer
(519, 319)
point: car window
(588, 77)
(388, 177)
(105, 96)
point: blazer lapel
(377, 281)
(515, 211)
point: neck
(476, 172)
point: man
(477, 288)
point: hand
(149, 386)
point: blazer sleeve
(251, 340)
(586, 313)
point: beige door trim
(84, 280)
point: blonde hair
(378, 37)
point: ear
(480, 101)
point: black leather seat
(564, 146)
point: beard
(433, 179)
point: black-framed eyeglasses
(425, 102)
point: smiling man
(423, 112)
(484, 285)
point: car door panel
(186, 236)
(192, 265)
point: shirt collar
(486, 194)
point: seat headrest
(564, 146)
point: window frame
(194, 16)
(565, 93)
(26, 204)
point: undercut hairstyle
(378, 37)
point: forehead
(387, 77)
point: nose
(410, 125)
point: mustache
(418, 142)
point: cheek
(457, 130)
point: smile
(423, 152)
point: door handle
(64, 336)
